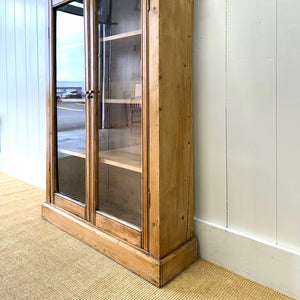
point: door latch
(90, 94)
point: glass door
(99, 114)
(70, 107)
(120, 106)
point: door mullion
(87, 47)
(92, 110)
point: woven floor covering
(39, 261)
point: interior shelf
(122, 159)
(121, 35)
(124, 101)
(72, 153)
(125, 158)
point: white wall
(247, 137)
(23, 89)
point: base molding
(268, 264)
(29, 171)
(157, 271)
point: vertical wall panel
(209, 110)
(42, 31)
(3, 98)
(32, 80)
(21, 83)
(289, 123)
(12, 120)
(251, 100)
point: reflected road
(70, 116)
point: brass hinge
(148, 199)
(148, 5)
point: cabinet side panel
(175, 124)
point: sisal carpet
(39, 261)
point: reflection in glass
(70, 101)
(120, 103)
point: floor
(39, 261)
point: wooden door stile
(52, 107)
(145, 126)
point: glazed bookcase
(120, 131)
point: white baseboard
(269, 264)
(31, 172)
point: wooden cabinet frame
(165, 245)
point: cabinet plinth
(120, 143)
(155, 270)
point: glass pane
(70, 101)
(120, 104)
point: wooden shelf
(123, 101)
(124, 158)
(121, 36)
(70, 152)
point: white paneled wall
(23, 41)
(247, 137)
(247, 117)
